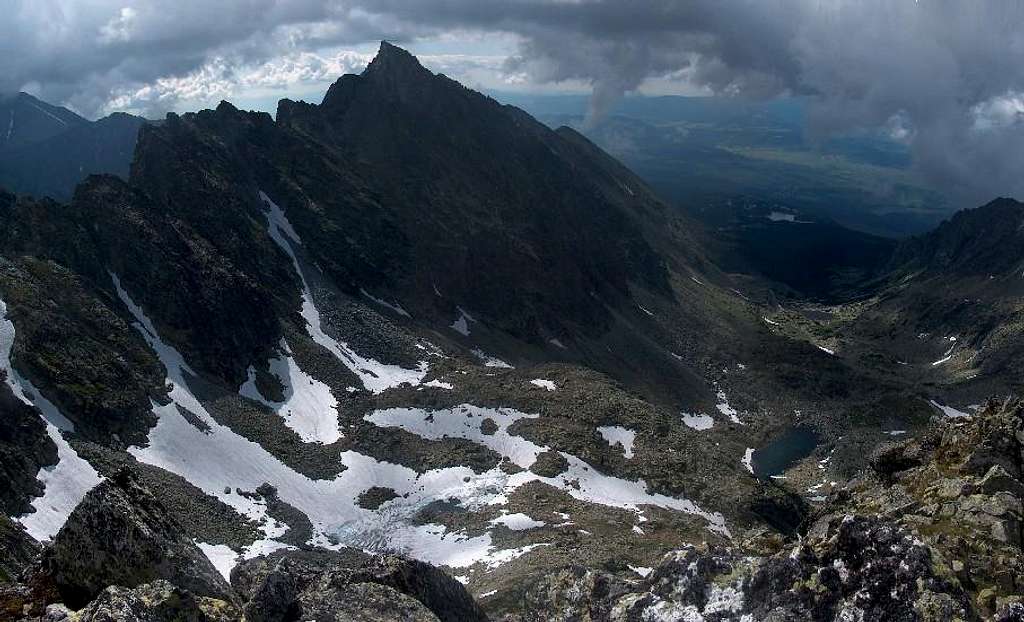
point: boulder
(159, 601)
(349, 585)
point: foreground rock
(121, 535)
(932, 533)
(120, 557)
(17, 550)
(159, 601)
(350, 585)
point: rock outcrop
(159, 601)
(17, 550)
(119, 557)
(121, 535)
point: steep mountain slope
(25, 120)
(952, 314)
(55, 165)
(47, 150)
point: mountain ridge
(412, 320)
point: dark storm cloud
(944, 75)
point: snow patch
(781, 217)
(618, 435)
(544, 384)
(461, 323)
(438, 384)
(949, 411)
(517, 522)
(748, 459)
(727, 410)
(221, 556)
(490, 361)
(643, 571)
(699, 421)
(309, 407)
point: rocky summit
(410, 354)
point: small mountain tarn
(312, 355)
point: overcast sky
(945, 76)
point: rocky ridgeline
(933, 532)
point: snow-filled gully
(375, 376)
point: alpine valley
(410, 354)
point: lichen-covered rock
(121, 535)
(159, 601)
(333, 598)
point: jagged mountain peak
(394, 74)
(391, 58)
